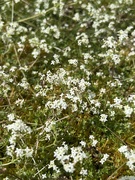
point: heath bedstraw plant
(67, 89)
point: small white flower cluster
(111, 56)
(95, 105)
(20, 153)
(83, 84)
(49, 125)
(76, 17)
(115, 83)
(60, 7)
(103, 117)
(56, 59)
(24, 83)
(74, 91)
(125, 1)
(105, 157)
(17, 128)
(52, 29)
(44, 176)
(82, 39)
(84, 172)
(57, 78)
(19, 102)
(11, 29)
(68, 160)
(123, 35)
(128, 110)
(131, 99)
(94, 141)
(57, 104)
(73, 62)
(109, 42)
(66, 51)
(117, 103)
(37, 46)
(130, 156)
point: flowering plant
(67, 89)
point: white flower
(11, 117)
(83, 84)
(19, 102)
(102, 90)
(44, 176)
(103, 117)
(20, 126)
(49, 125)
(87, 56)
(28, 152)
(83, 143)
(112, 113)
(55, 30)
(60, 152)
(73, 62)
(131, 160)
(13, 68)
(23, 38)
(52, 165)
(66, 51)
(110, 42)
(130, 155)
(94, 141)
(19, 152)
(56, 60)
(104, 158)
(35, 53)
(128, 111)
(77, 154)
(69, 167)
(10, 150)
(12, 139)
(76, 17)
(57, 104)
(117, 103)
(83, 172)
(91, 137)
(6, 178)
(24, 84)
(123, 35)
(123, 149)
(115, 58)
(97, 104)
(82, 39)
(48, 137)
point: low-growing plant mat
(67, 89)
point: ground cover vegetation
(67, 89)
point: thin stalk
(111, 176)
(115, 134)
(12, 15)
(35, 16)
